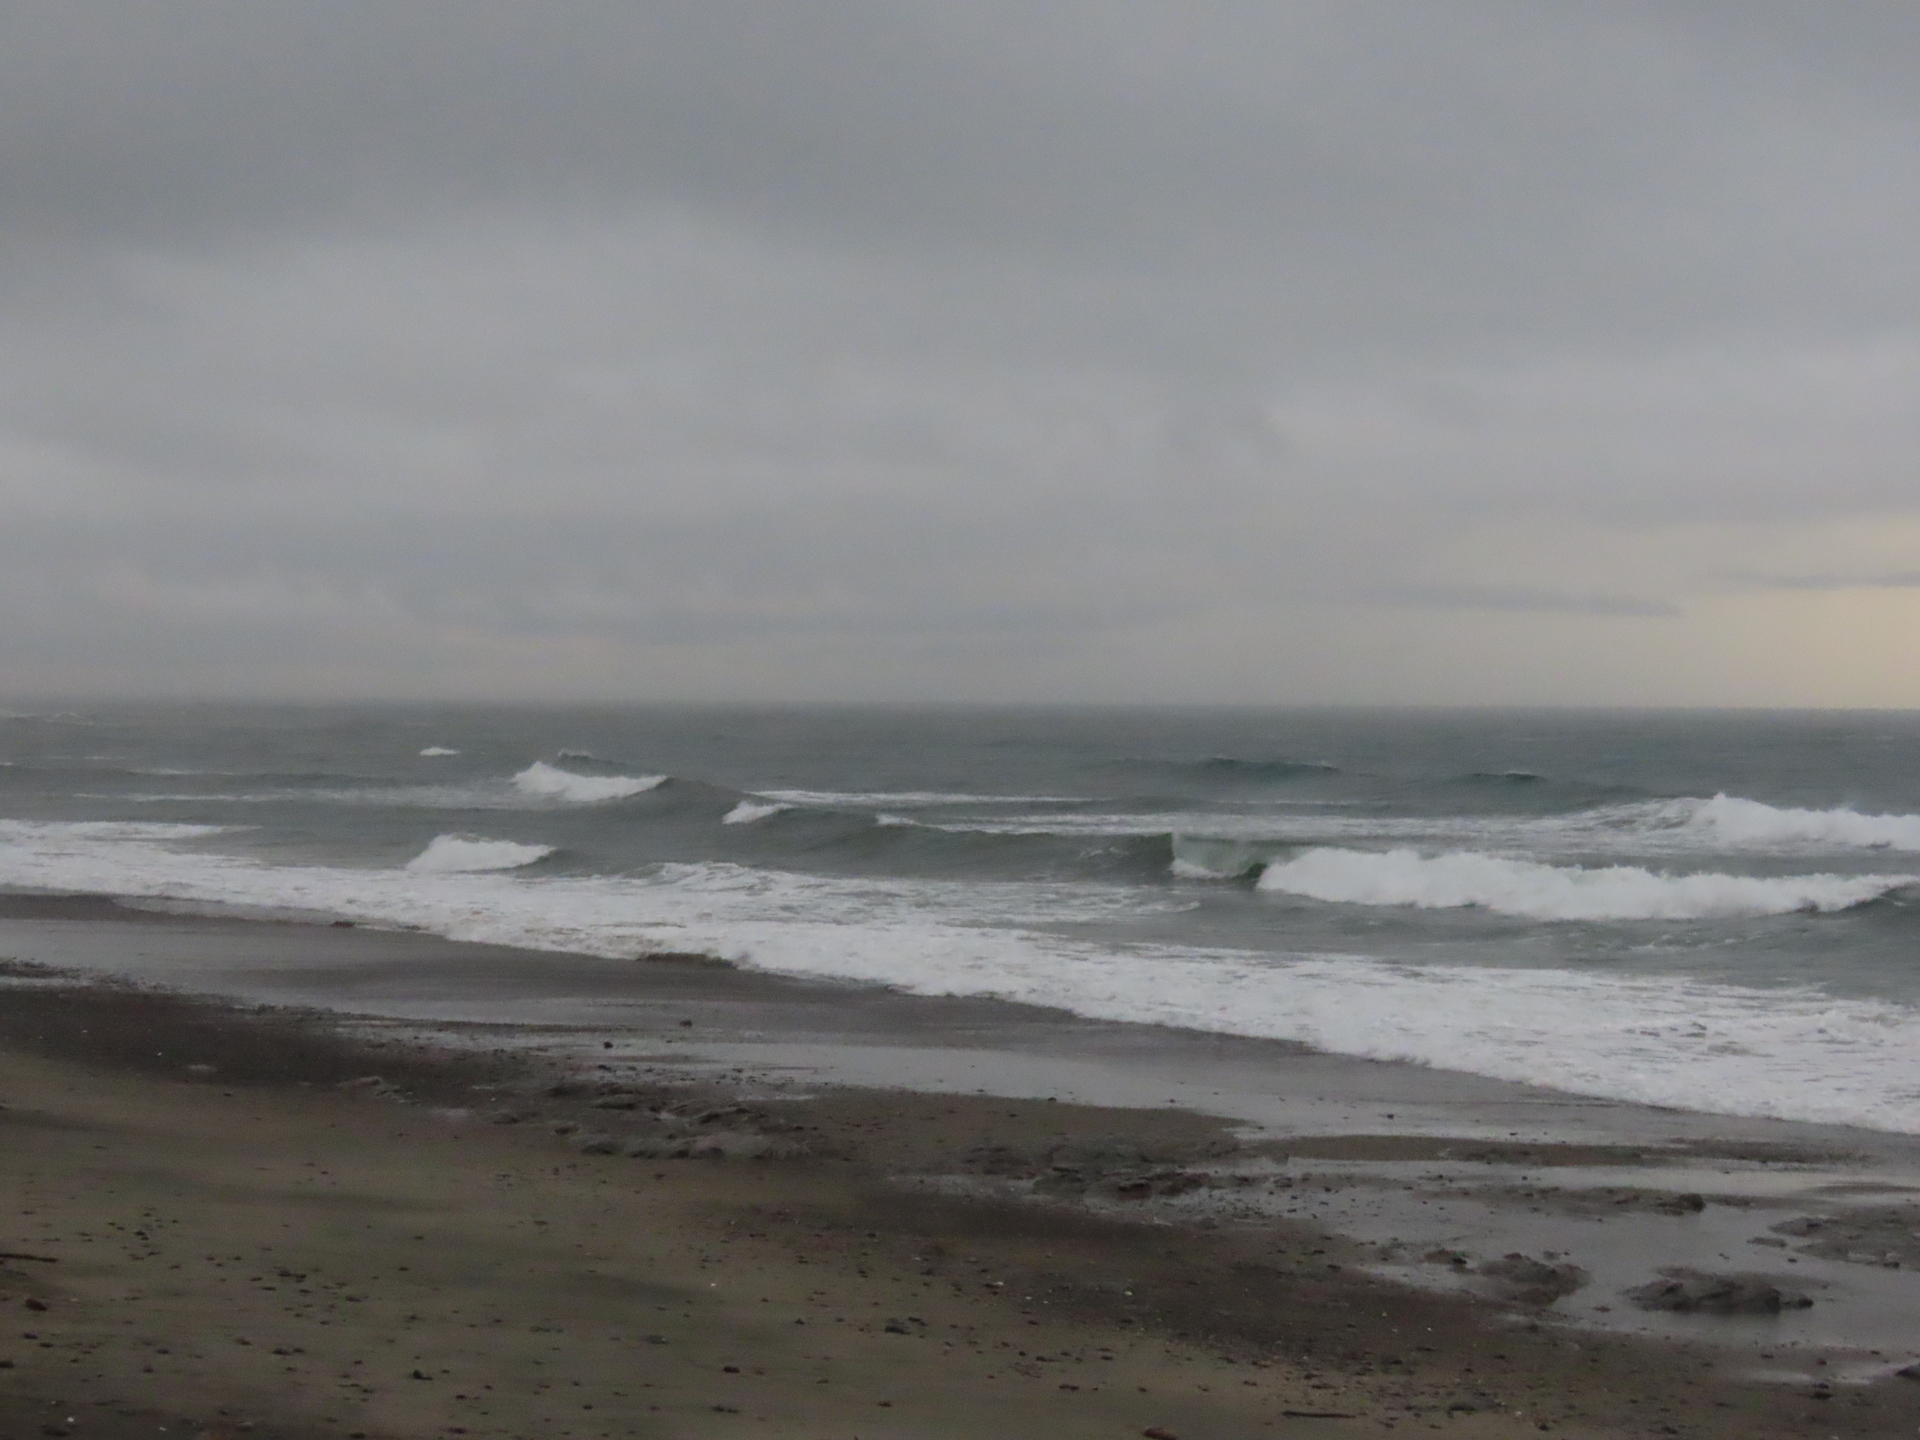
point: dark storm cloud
(901, 348)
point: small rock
(594, 1143)
(1695, 1292)
(1681, 1205)
(1527, 1281)
(658, 1147)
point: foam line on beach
(1795, 1054)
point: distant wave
(907, 799)
(1233, 765)
(1551, 892)
(550, 782)
(1502, 777)
(470, 854)
(1235, 768)
(51, 832)
(433, 752)
(748, 811)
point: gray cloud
(1099, 349)
(1893, 580)
(1520, 601)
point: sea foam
(1554, 892)
(1794, 1054)
(436, 752)
(552, 783)
(466, 854)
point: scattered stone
(375, 1085)
(1688, 1204)
(1883, 1236)
(1696, 1292)
(1523, 1280)
(659, 1147)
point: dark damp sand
(223, 1239)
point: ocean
(1714, 911)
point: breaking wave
(471, 854)
(434, 752)
(1750, 823)
(550, 782)
(1661, 1040)
(1551, 892)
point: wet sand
(225, 1218)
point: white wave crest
(748, 811)
(469, 854)
(1552, 892)
(1735, 821)
(434, 752)
(552, 783)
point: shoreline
(1231, 1245)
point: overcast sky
(1299, 351)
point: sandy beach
(736, 1205)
